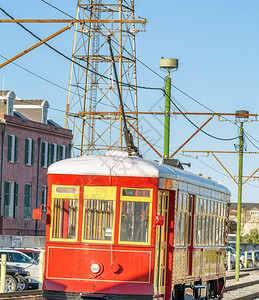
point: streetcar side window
(182, 219)
(98, 214)
(135, 208)
(64, 221)
(209, 222)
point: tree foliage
(251, 238)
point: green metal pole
(167, 115)
(240, 174)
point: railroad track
(240, 285)
(230, 277)
(248, 297)
(24, 295)
(239, 288)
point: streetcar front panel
(101, 238)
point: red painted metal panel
(170, 248)
(67, 265)
(134, 265)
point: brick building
(30, 142)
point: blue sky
(217, 44)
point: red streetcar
(122, 228)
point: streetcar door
(190, 223)
(161, 243)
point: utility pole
(241, 116)
(240, 174)
(167, 115)
(168, 65)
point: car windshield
(32, 255)
(19, 258)
(231, 250)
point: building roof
(248, 206)
(19, 115)
(30, 109)
(117, 163)
(53, 123)
(32, 102)
(4, 93)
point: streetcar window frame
(99, 193)
(209, 222)
(182, 217)
(70, 195)
(136, 199)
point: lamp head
(168, 64)
(242, 115)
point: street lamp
(168, 65)
(242, 117)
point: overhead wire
(34, 74)
(180, 90)
(74, 61)
(187, 95)
(150, 88)
(246, 136)
(208, 134)
(48, 81)
(58, 9)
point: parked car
(233, 258)
(10, 280)
(18, 259)
(250, 261)
(22, 278)
(34, 253)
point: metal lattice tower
(93, 110)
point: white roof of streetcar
(118, 163)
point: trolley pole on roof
(241, 119)
(130, 147)
(168, 65)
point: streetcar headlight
(95, 268)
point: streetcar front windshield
(98, 214)
(64, 218)
(64, 213)
(134, 221)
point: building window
(53, 153)
(62, 152)
(10, 199)
(44, 196)
(29, 152)
(254, 212)
(27, 201)
(44, 154)
(12, 153)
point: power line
(48, 81)
(208, 134)
(180, 90)
(246, 135)
(74, 61)
(214, 137)
(34, 74)
(142, 87)
(58, 9)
